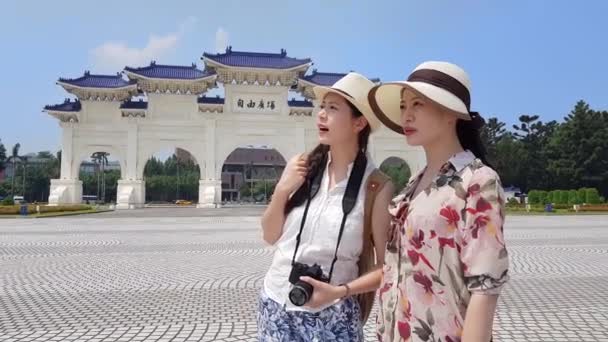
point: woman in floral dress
(446, 260)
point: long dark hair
(317, 157)
(469, 135)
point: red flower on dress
(417, 241)
(385, 288)
(415, 257)
(425, 281)
(446, 242)
(450, 215)
(483, 205)
(474, 190)
(401, 214)
(404, 330)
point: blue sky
(524, 57)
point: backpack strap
(367, 260)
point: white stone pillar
(209, 193)
(67, 149)
(131, 192)
(67, 189)
(210, 187)
(210, 149)
(132, 149)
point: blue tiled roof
(323, 78)
(141, 104)
(171, 71)
(66, 106)
(98, 81)
(211, 100)
(256, 59)
(299, 103)
(328, 78)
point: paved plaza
(183, 274)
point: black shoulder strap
(350, 199)
(313, 186)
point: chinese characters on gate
(255, 104)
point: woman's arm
(483, 253)
(479, 318)
(274, 216)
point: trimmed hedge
(570, 197)
(31, 209)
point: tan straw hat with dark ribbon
(444, 83)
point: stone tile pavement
(193, 275)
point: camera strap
(349, 200)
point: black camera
(301, 292)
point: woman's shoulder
(483, 174)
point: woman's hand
(294, 174)
(323, 293)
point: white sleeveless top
(319, 239)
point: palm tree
(101, 159)
(14, 159)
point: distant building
(184, 156)
(32, 159)
(513, 192)
(249, 165)
(88, 167)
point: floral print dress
(444, 245)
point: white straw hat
(355, 89)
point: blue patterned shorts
(340, 322)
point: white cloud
(221, 40)
(113, 56)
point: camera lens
(300, 293)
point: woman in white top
(294, 308)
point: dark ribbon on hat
(451, 84)
(443, 81)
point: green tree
(101, 161)
(14, 159)
(491, 134)
(581, 195)
(245, 191)
(534, 134)
(2, 156)
(563, 197)
(40, 174)
(171, 180)
(593, 196)
(578, 152)
(508, 160)
(573, 197)
(534, 197)
(154, 167)
(263, 190)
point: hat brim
(385, 100)
(373, 121)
